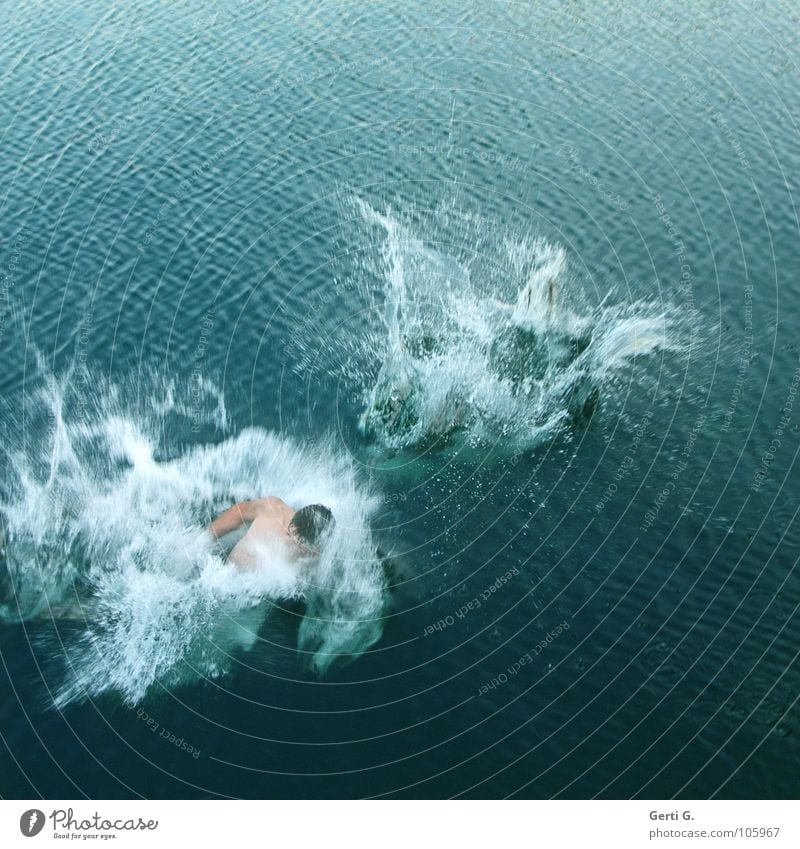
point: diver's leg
(242, 557)
(396, 569)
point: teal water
(308, 249)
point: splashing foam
(465, 347)
(104, 528)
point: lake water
(512, 287)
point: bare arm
(245, 511)
(233, 518)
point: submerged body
(528, 359)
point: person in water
(271, 521)
(272, 527)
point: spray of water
(496, 341)
(104, 511)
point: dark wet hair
(309, 524)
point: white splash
(494, 340)
(105, 525)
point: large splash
(496, 340)
(104, 512)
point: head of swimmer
(310, 525)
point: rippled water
(311, 250)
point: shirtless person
(272, 520)
(272, 523)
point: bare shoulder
(271, 505)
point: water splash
(104, 505)
(496, 341)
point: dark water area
(609, 609)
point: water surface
(281, 247)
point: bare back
(268, 527)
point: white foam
(91, 500)
(499, 344)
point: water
(105, 531)
(482, 358)
(512, 288)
